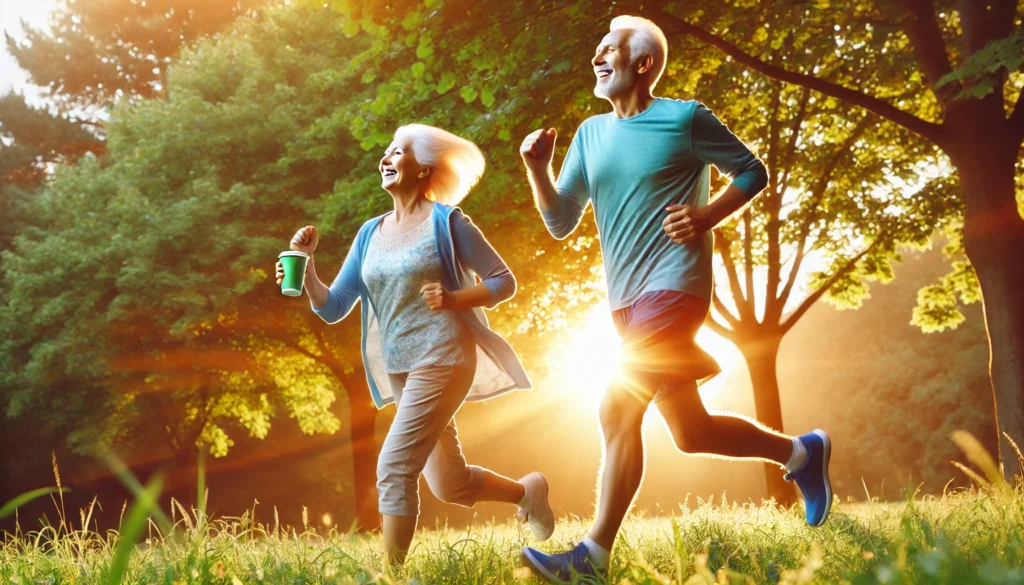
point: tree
(130, 336)
(95, 52)
(100, 50)
(945, 71)
(30, 139)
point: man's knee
(622, 409)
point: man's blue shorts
(659, 353)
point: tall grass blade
(135, 487)
(132, 527)
(201, 485)
(980, 457)
(18, 501)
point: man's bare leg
(622, 415)
(696, 431)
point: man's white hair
(647, 39)
(456, 163)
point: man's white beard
(615, 83)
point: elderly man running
(645, 168)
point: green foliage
(938, 306)
(30, 140)
(155, 254)
(978, 75)
(96, 51)
(33, 137)
(845, 189)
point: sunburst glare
(591, 357)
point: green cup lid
(293, 253)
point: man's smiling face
(612, 64)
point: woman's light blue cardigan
(463, 252)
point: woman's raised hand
(305, 240)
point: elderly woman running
(426, 344)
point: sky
(12, 12)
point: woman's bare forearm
(314, 287)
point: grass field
(968, 537)
(971, 536)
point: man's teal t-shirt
(631, 169)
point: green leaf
(350, 28)
(412, 20)
(425, 49)
(468, 94)
(418, 68)
(562, 66)
(504, 134)
(369, 76)
(446, 83)
(487, 97)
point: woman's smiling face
(399, 169)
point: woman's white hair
(647, 39)
(456, 164)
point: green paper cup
(294, 264)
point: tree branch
(813, 297)
(922, 29)
(794, 271)
(718, 328)
(798, 122)
(984, 22)
(929, 130)
(724, 311)
(748, 262)
(819, 188)
(725, 251)
(774, 203)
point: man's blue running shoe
(563, 567)
(812, 478)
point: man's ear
(646, 64)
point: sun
(591, 358)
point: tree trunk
(363, 420)
(761, 356)
(994, 239)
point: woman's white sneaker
(534, 507)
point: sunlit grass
(968, 536)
